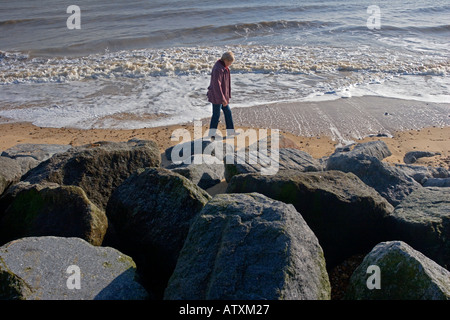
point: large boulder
(423, 174)
(248, 246)
(391, 182)
(413, 156)
(204, 170)
(29, 155)
(423, 221)
(185, 150)
(377, 149)
(152, 211)
(288, 159)
(98, 168)
(437, 182)
(50, 210)
(10, 173)
(54, 268)
(403, 274)
(347, 216)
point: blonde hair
(229, 56)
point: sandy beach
(402, 131)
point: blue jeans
(216, 115)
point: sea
(136, 64)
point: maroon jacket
(219, 89)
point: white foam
(163, 87)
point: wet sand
(429, 137)
(346, 119)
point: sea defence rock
(186, 150)
(10, 172)
(55, 268)
(29, 155)
(205, 172)
(423, 221)
(413, 156)
(422, 174)
(437, 182)
(97, 168)
(152, 211)
(346, 215)
(50, 210)
(404, 274)
(288, 159)
(248, 246)
(392, 183)
(377, 149)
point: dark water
(39, 27)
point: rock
(377, 149)
(391, 182)
(10, 172)
(205, 172)
(184, 151)
(152, 212)
(412, 156)
(45, 268)
(405, 274)
(346, 215)
(248, 246)
(423, 221)
(50, 210)
(40, 152)
(437, 182)
(289, 159)
(421, 174)
(29, 155)
(98, 168)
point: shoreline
(317, 127)
(435, 139)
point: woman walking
(219, 94)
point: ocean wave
(396, 29)
(16, 21)
(273, 25)
(20, 68)
(428, 10)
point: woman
(219, 94)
